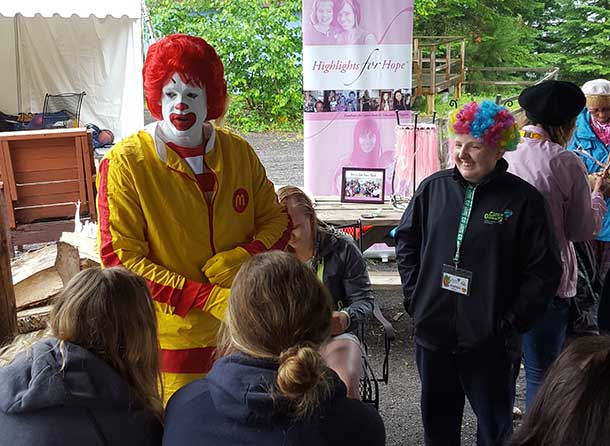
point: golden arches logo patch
(240, 200)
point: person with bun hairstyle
(479, 263)
(92, 378)
(272, 386)
(338, 262)
(184, 203)
(541, 159)
(572, 405)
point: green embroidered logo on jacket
(493, 217)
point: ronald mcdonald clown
(184, 204)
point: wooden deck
(438, 65)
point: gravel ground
(282, 155)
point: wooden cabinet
(44, 174)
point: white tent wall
(70, 46)
(77, 54)
(8, 79)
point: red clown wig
(197, 63)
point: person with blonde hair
(94, 380)
(339, 264)
(272, 386)
(592, 136)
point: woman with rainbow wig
(478, 263)
(561, 177)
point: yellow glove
(217, 303)
(222, 268)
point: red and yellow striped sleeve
(272, 222)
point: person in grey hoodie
(94, 380)
(272, 387)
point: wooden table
(330, 210)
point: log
(87, 246)
(40, 275)
(33, 319)
(68, 262)
(35, 277)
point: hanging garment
(423, 149)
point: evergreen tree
(578, 37)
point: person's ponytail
(302, 379)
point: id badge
(456, 279)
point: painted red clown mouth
(182, 122)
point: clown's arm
(272, 228)
(122, 242)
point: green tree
(577, 37)
(498, 32)
(259, 42)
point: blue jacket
(232, 406)
(587, 140)
(85, 403)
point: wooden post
(432, 91)
(458, 91)
(448, 58)
(8, 309)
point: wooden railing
(438, 65)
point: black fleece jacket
(509, 246)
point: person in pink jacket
(560, 175)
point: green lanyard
(320, 271)
(464, 219)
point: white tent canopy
(69, 46)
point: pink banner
(356, 74)
(329, 22)
(347, 140)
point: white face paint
(184, 108)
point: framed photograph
(361, 185)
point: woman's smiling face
(346, 17)
(367, 142)
(474, 159)
(324, 13)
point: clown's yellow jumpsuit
(155, 221)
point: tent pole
(18, 65)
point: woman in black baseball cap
(542, 160)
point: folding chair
(62, 110)
(369, 383)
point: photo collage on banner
(356, 75)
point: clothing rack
(415, 125)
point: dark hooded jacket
(84, 402)
(344, 274)
(233, 406)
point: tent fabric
(68, 53)
(67, 8)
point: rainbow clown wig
(196, 62)
(491, 124)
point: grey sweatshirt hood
(35, 380)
